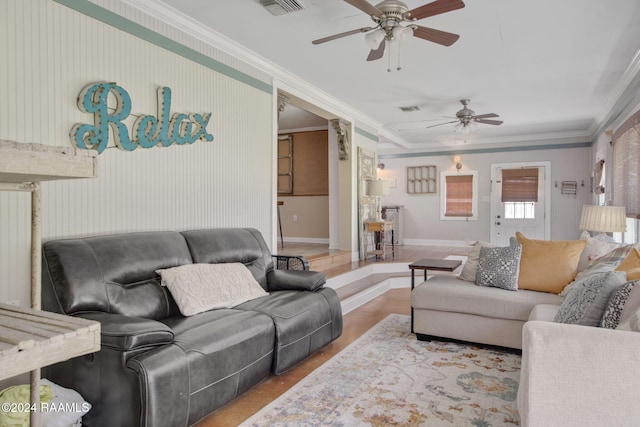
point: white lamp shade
(374, 38)
(402, 33)
(604, 219)
(377, 188)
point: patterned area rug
(387, 377)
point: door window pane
(519, 210)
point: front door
(531, 218)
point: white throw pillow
(470, 266)
(202, 287)
(597, 246)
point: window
(626, 166)
(519, 192)
(459, 195)
(626, 175)
(303, 164)
(519, 210)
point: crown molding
(620, 100)
(281, 77)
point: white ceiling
(552, 69)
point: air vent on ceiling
(281, 7)
(409, 109)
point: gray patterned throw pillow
(499, 267)
(623, 302)
(587, 299)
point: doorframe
(547, 193)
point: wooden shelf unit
(29, 338)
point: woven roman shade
(626, 166)
(520, 185)
(459, 197)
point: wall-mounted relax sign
(147, 131)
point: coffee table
(431, 264)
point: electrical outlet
(295, 218)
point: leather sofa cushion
(141, 299)
(445, 292)
(76, 272)
(221, 245)
(225, 339)
(129, 333)
(298, 318)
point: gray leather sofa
(157, 367)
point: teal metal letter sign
(148, 131)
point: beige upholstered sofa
(571, 375)
(445, 306)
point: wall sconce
(456, 160)
(380, 166)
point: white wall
(50, 52)
(422, 224)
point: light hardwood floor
(355, 323)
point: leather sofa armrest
(295, 280)
(128, 333)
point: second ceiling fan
(464, 119)
(389, 16)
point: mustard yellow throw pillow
(631, 265)
(548, 265)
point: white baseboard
(429, 242)
(318, 240)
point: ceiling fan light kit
(374, 38)
(389, 16)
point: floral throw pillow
(499, 267)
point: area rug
(387, 377)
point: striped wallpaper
(53, 51)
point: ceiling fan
(464, 119)
(389, 16)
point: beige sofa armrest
(578, 376)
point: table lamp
(603, 219)
(377, 188)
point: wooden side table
(430, 264)
(377, 230)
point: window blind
(520, 185)
(599, 178)
(626, 166)
(459, 197)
